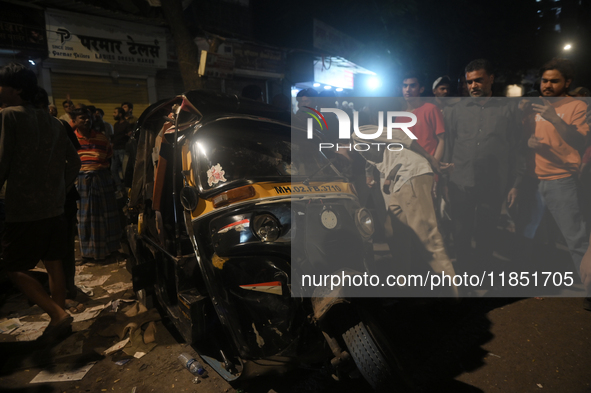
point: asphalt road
(478, 345)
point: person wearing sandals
(38, 163)
(41, 101)
(99, 228)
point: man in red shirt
(429, 128)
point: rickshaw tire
(368, 358)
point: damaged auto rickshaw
(222, 212)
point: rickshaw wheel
(369, 359)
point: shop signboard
(22, 28)
(258, 58)
(80, 37)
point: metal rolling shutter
(100, 91)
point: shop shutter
(101, 91)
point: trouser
(475, 211)
(69, 261)
(411, 207)
(563, 201)
(116, 167)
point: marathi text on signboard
(101, 40)
(22, 28)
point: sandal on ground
(58, 332)
(74, 307)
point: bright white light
(202, 148)
(373, 83)
(32, 62)
(327, 87)
(339, 89)
(294, 92)
(567, 47)
(316, 84)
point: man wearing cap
(560, 132)
(442, 86)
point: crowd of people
(61, 177)
(445, 189)
(474, 158)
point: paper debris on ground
(29, 331)
(118, 287)
(116, 347)
(139, 355)
(79, 269)
(82, 277)
(89, 313)
(95, 282)
(86, 290)
(115, 304)
(63, 373)
(7, 326)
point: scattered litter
(86, 290)
(139, 355)
(30, 331)
(114, 271)
(196, 380)
(39, 269)
(118, 287)
(63, 373)
(133, 389)
(116, 347)
(7, 326)
(117, 380)
(492, 354)
(115, 304)
(89, 313)
(82, 277)
(122, 362)
(540, 386)
(97, 281)
(143, 367)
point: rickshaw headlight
(364, 222)
(266, 227)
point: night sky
(439, 37)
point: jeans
(116, 166)
(563, 201)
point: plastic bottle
(192, 364)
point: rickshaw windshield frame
(230, 152)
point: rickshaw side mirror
(189, 198)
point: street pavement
(478, 345)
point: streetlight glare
(567, 47)
(373, 83)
